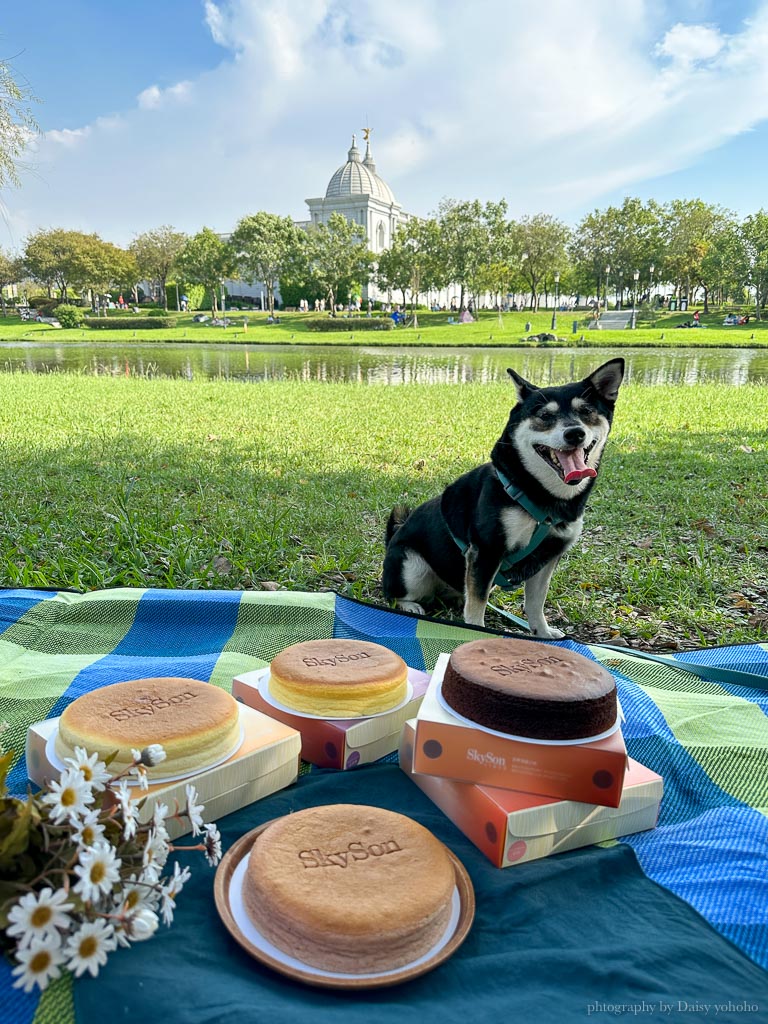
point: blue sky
(193, 112)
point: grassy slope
(433, 329)
(203, 484)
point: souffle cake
(530, 689)
(349, 888)
(196, 723)
(338, 678)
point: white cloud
(690, 43)
(551, 106)
(69, 137)
(154, 97)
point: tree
(627, 239)
(724, 269)
(754, 232)
(11, 271)
(207, 260)
(542, 239)
(17, 126)
(155, 253)
(108, 266)
(499, 258)
(690, 227)
(69, 259)
(125, 272)
(462, 238)
(334, 256)
(411, 264)
(263, 245)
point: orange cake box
(450, 748)
(336, 743)
(266, 761)
(511, 827)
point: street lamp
(650, 295)
(635, 278)
(557, 297)
(607, 272)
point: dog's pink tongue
(574, 466)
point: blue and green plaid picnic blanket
(699, 720)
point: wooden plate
(312, 976)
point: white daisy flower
(38, 963)
(136, 755)
(69, 796)
(136, 894)
(121, 935)
(171, 890)
(212, 842)
(141, 777)
(194, 810)
(128, 809)
(155, 852)
(150, 874)
(88, 948)
(98, 871)
(89, 829)
(39, 916)
(159, 815)
(93, 770)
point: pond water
(380, 365)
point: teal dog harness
(544, 524)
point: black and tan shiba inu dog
(512, 519)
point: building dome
(358, 178)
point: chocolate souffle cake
(529, 689)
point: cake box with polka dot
(467, 744)
(349, 699)
(512, 827)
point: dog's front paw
(548, 633)
(410, 606)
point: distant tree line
(687, 247)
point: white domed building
(356, 191)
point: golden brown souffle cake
(338, 678)
(196, 723)
(530, 689)
(349, 888)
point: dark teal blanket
(649, 928)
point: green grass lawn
(432, 329)
(190, 484)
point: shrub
(43, 304)
(69, 316)
(124, 323)
(350, 324)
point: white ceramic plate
(58, 764)
(266, 695)
(228, 886)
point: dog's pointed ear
(607, 379)
(523, 388)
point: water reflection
(380, 365)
